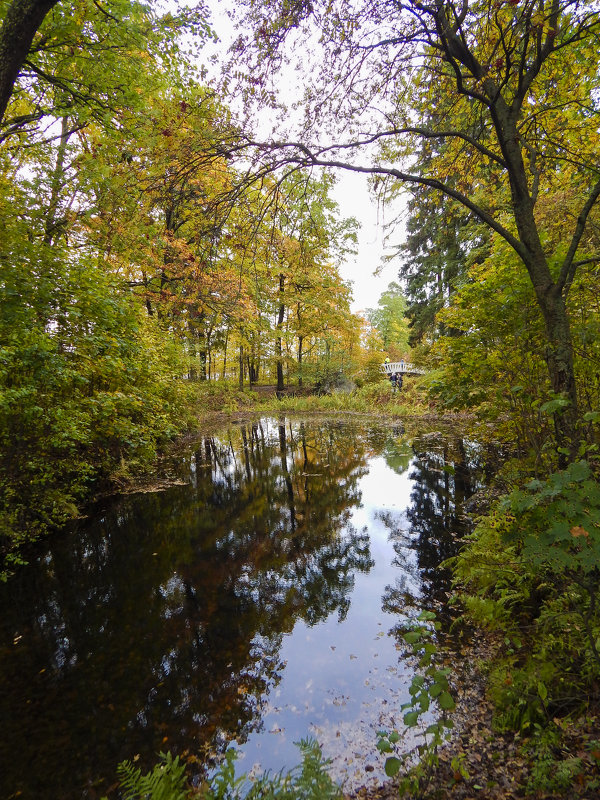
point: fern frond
(166, 781)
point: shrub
(530, 570)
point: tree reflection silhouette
(159, 626)
(444, 474)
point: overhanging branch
(303, 157)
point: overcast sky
(352, 194)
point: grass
(374, 398)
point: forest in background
(139, 262)
(151, 250)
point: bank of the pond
(479, 763)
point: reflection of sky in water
(343, 681)
(252, 600)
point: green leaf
(554, 405)
(446, 701)
(392, 766)
(411, 718)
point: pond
(253, 603)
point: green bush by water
(530, 572)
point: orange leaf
(578, 531)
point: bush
(530, 570)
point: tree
(513, 89)
(389, 318)
(88, 61)
(439, 243)
(20, 24)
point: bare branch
(302, 156)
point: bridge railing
(400, 366)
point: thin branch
(568, 268)
(306, 158)
(106, 13)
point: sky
(370, 276)
(352, 194)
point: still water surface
(254, 604)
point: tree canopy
(500, 97)
(135, 257)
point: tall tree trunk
(241, 363)
(300, 343)
(192, 371)
(550, 296)
(225, 354)
(278, 344)
(52, 223)
(561, 371)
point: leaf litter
(494, 766)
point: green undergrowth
(373, 398)
(74, 448)
(530, 572)
(168, 780)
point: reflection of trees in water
(444, 475)
(161, 626)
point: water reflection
(167, 622)
(445, 473)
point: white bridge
(403, 367)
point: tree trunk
(561, 371)
(52, 223)
(225, 354)
(241, 360)
(22, 20)
(192, 371)
(549, 295)
(278, 343)
(300, 343)
(252, 370)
